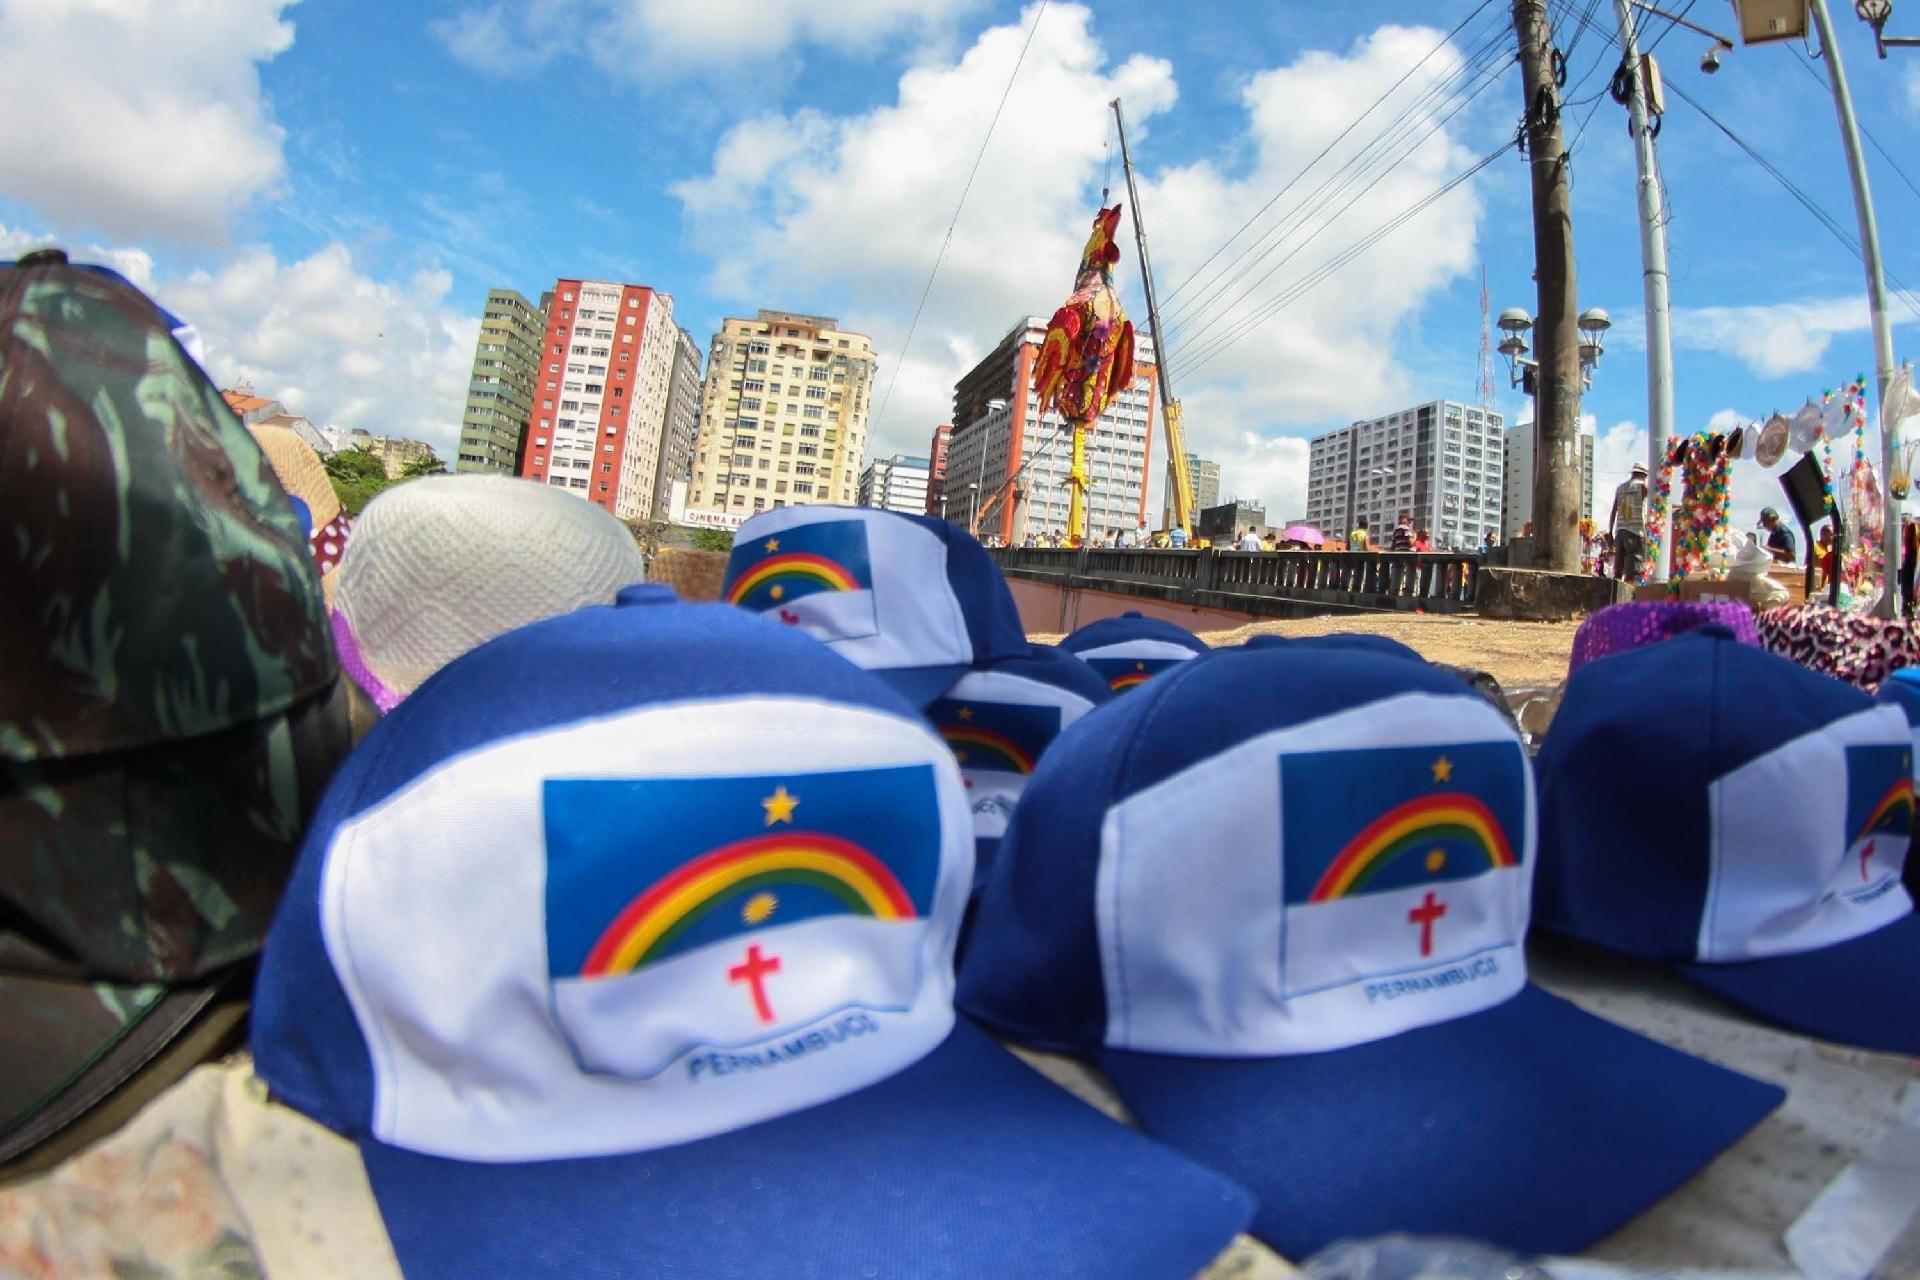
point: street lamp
(973, 502)
(1522, 370)
(1875, 14)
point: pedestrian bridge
(1060, 589)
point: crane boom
(1182, 496)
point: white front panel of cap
(869, 583)
(1321, 886)
(1808, 841)
(999, 725)
(650, 928)
(1138, 649)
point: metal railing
(1437, 581)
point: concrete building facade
(898, 483)
(600, 410)
(1206, 488)
(1442, 461)
(682, 424)
(937, 466)
(1516, 503)
(998, 429)
(501, 388)
(783, 416)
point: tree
(430, 465)
(712, 540)
(357, 475)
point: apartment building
(600, 410)
(783, 416)
(682, 425)
(1443, 461)
(1516, 503)
(500, 390)
(898, 483)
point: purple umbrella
(1304, 533)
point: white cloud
(817, 211)
(317, 335)
(139, 119)
(635, 37)
(1774, 339)
(333, 344)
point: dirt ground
(1514, 653)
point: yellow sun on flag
(1436, 859)
(777, 591)
(759, 908)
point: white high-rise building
(898, 483)
(1443, 462)
(1516, 505)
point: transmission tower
(1486, 350)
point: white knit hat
(441, 564)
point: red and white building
(600, 407)
(937, 467)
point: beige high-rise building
(783, 416)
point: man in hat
(1628, 523)
(1779, 540)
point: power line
(1371, 161)
(1806, 201)
(1886, 155)
(1488, 76)
(1328, 268)
(946, 243)
(1368, 159)
(1353, 124)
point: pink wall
(1049, 609)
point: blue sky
(328, 190)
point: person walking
(1177, 538)
(1250, 540)
(1628, 523)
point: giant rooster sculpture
(1087, 359)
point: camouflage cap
(170, 708)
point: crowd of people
(577, 929)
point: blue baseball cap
(1761, 855)
(1000, 719)
(1279, 896)
(624, 945)
(1358, 641)
(1902, 688)
(915, 600)
(1132, 648)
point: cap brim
(1860, 992)
(921, 685)
(1532, 1125)
(966, 1164)
(67, 1045)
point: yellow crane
(1181, 498)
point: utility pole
(1876, 299)
(1556, 464)
(1653, 282)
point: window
(629, 319)
(548, 404)
(801, 486)
(569, 405)
(606, 467)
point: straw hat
(304, 476)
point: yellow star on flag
(1139, 666)
(780, 805)
(965, 713)
(1443, 770)
(773, 545)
